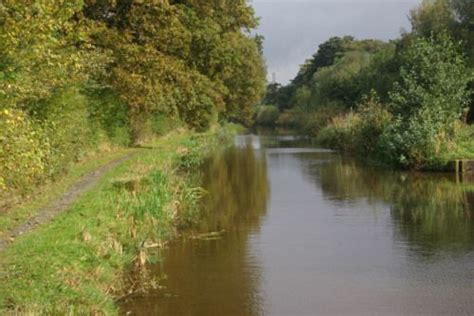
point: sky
(293, 29)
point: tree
(326, 55)
(186, 58)
(432, 17)
(430, 97)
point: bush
(374, 119)
(428, 100)
(357, 132)
(65, 119)
(287, 118)
(110, 115)
(162, 124)
(340, 132)
(464, 142)
(24, 150)
(266, 115)
(41, 142)
(416, 143)
(312, 122)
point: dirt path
(55, 207)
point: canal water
(297, 230)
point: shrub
(427, 101)
(374, 119)
(110, 115)
(266, 115)
(312, 122)
(464, 142)
(65, 120)
(287, 118)
(416, 142)
(24, 150)
(162, 124)
(340, 132)
(357, 132)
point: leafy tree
(73, 71)
(454, 17)
(432, 17)
(326, 55)
(434, 76)
(430, 97)
(278, 95)
(381, 73)
(43, 49)
(153, 42)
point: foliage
(433, 76)
(312, 122)
(374, 119)
(381, 73)
(326, 56)
(337, 84)
(155, 70)
(23, 150)
(340, 132)
(86, 74)
(338, 74)
(66, 123)
(358, 132)
(463, 143)
(453, 17)
(432, 17)
(426, 103)
(266, 115)
(423, 85)
(107, 113)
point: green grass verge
(77, 264)
(19, 208)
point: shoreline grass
(77, 263)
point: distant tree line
(404, 102)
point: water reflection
(432, 211)
(236, 180)
(221, 276)
(333, 237)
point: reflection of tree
(237, 185)
(435, 213)
(431, 211)
(217, 277)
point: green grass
(17, 209)
(77, 264)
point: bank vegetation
(406, 103)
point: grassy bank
(16, 208)
(77, 263)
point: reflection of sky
(293, 29)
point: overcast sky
(293, 29)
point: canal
(289, 229)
